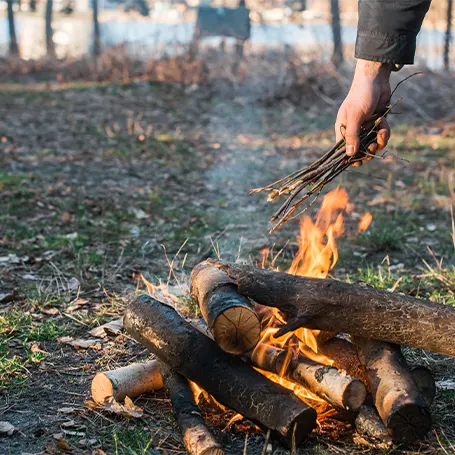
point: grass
(70, 205)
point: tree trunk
(50, 47)
(341, 307)
(448, 35)
(196, 436)
(396, 396)
(229, 315)
(227, 378)
(96, 30)
(337, 57)
(13, 47)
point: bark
(227, 378)
(448, 34)
(229, 315)
(369, 425)
(96, 30)
(132, 381)
(337, 57)
(50, 47)
(338, 389)
(396, 396)
(13, 46)
(196, 436)
(336, 306)
(342, 354)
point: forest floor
(99, 184)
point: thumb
(354, 122)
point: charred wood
(227, 378)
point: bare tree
(50, 47)
(13, 47)
(448, 36)
(337, 57)
(96, 29)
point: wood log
(338, 389)
(332, 305)
(197, 438)
(342, 354)
(396, 396)
(229, 315)
(132, 381)
(227, 378)
(369, 425)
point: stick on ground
(227, 378)
(197, 438)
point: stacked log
(228, 379)
(224, 355)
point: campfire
(286, 350)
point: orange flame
(364, 222)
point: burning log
(341, 307)
(342, 354)
(229, 315)
(396, 396)
(132, 381)
(230, 380)
(340, 390)
(196, 436)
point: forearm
(388, 29)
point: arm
(386, 39)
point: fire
(317, 254)
(365, 222)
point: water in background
(149, 38)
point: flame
(364, 222)
(317, 254)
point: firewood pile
(353, 365)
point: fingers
(383, 134)
(353, 123)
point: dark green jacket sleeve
(388, 29)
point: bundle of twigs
(315, 177)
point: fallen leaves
(128, 409)
(6, 429)
(111, 328)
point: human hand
(369, 94)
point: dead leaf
(6, 429)
(50, 311)
(68, 424)
(85, 344)
(6, 297)
(73, 284)
(111, 328)
(129, 409)
(69, 410)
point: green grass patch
(133, 440)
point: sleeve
(388, 29)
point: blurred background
(145, 29)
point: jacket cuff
(394, 49)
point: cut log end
(237, 330)
(102, 388)
(409, 423)
(354, 395)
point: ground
(101, 183)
